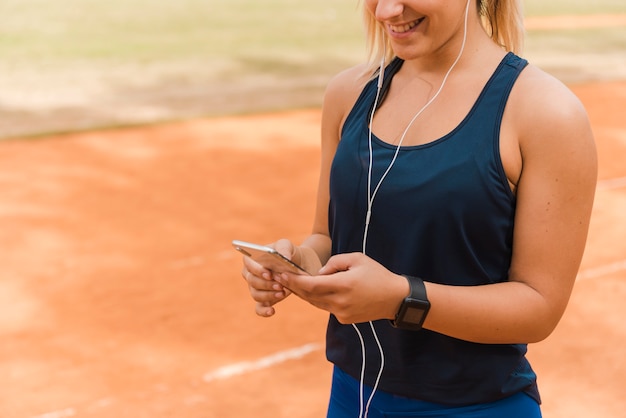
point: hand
(353, 287)
(263, 288)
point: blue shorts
(344, 403)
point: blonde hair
(503, 21)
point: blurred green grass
(247, 35)
(153, 31)
(576, 40)
(118, 61)
(574, 7)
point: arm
(553, 165)
(555, 189)
(339, 99)
(315, 250)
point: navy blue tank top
(445, 213)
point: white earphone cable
(370, 201)
(372, 195)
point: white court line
(237, 369)
(609, 184)
(69, 412)
(594, 273)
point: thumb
(340, 262)
(285, 247)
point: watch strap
(418, 289)
(416, 300)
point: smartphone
(268, 257)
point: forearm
(503, 313)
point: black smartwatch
(414, 307)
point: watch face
(414, 314)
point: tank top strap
(365, 102)
(491, 103)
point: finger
(270, 297)
(289, 281)
(261, 283)
(262, 290)
(255, 268)
(264, 310)
(306, 287)
(319, 291)
(340, 262)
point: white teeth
(404, 28)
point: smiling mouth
(405, 28)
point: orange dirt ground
(120, 295)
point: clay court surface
(120, 295)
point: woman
(454, 201)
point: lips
(406, 27)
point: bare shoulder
(545, 111)
(347, 85)
(341, 93)
(554, 135)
